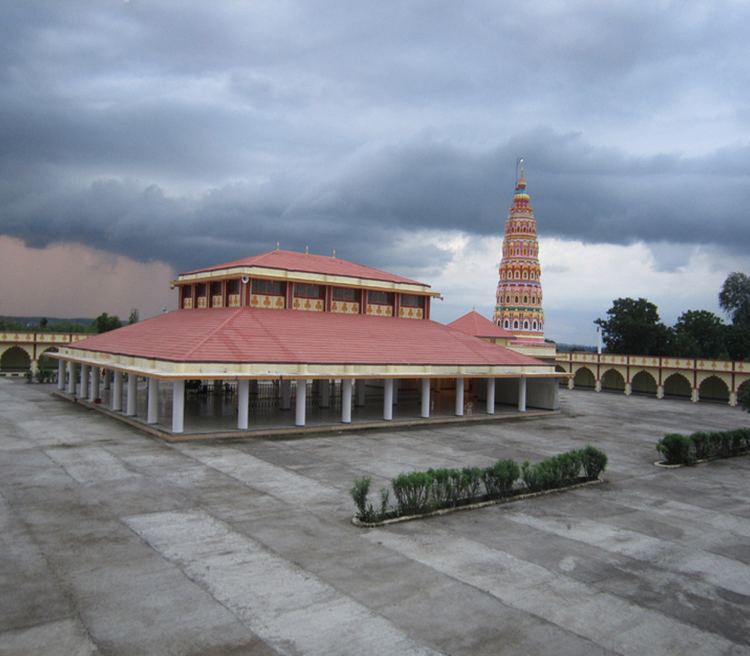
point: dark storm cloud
(198, 132)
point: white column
(299, 403)
(660, 391)
(94, 393)
(521, 395)
(695, 396)
(61, 375)
(490, 396)
(598, 386)
(325, 393)
(152, 413)
(733, 399)
(106, 377)
(117, 391)
(132, 395)
(388, 399)
(425, 398)
(395, 391)
(71, 378)
(459, 397)
(178, 406)
(85, 381)
(628, 389)
(571, 383)
(360, 392)
(243, 404)
(346, 401)
(286, 394)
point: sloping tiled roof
(308, 263)
(473, 323)
(237, 335)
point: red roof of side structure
(323, 264)
(473, 323)
(236, 335)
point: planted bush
(677, 449)
(593, 461)
(359, 492)
(412, 492)
(499, 478)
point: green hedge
(421, 492)
(679, 449)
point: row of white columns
(90, 386)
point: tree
(734, 298)
(133, 318)
(634, 328)
(698, 334)
(104, 323)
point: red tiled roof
(308, 263)
(234, 335)
(473, 323)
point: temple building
(518, 302)
(283, 339)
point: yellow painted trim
(207, 370)
(302, 276)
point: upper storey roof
(474, 324)
(291, 262)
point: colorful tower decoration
(518, 306)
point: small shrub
(499, 478)
(359, 492)
(412, 492)
(531, 476)
(567, 466)
(385, 500)
(593, 460)
(676, 449)
(702, 444)
(443, 486)
(471, 479)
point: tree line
(633, 327)
(101, 324)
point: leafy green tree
(734, 298)
(104, 323)
(633, 327)
(698, 334)
(133, 317)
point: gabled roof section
(291, 261)
(473, 323)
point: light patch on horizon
(579, 280)
(70, 280)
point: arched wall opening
(678, 387)
(613, 381)
(46, 362)
(713, 388)
(15, 359)
(584, 379)
(643, 383)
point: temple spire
(518, 306)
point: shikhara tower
(518, 306)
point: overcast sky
(142, 138)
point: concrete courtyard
(114, 542)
